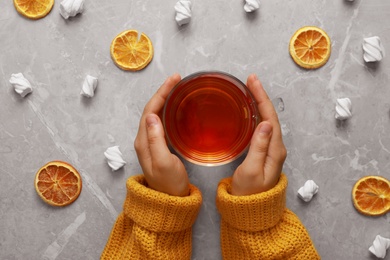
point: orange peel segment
(371, 195)
(131, 51)
(33, 9)
(310, 47)
(58, 183)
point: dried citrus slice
(371, 195)
(34, 9)
(310, 47)
(131, 52)
(58, 183)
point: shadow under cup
(209, 118)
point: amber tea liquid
(209, 120)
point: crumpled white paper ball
(21, 85)
(379, 246)
(89, 86)
(343, 108)
(308, 190)
(373, 49)
(70, 8)
(114, 158)
(183, 12)
(251, 5)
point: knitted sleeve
(259, 226)
(153, 225)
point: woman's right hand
(261, 169)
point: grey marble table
(56, 123)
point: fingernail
(255, 76)
(265, 129)
(151, 120)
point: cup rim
(235, 82)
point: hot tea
(209, 118)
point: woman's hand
(163, 171)
(261, 169)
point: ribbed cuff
(157, 211)
(254, 212)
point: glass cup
(209, 118)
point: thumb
(157, 145)
(258, 149)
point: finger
(159, 152)
(266, 109)
(154, 106)
(265, 106)
(259, 146)
(267, 113)
(157, 102)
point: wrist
(172, 189)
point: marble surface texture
(55, 122)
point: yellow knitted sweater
(154, 225)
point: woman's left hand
(163, 170)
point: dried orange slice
(131, 52)
(371, 195)
(310, 47)
(34, 9)
(58, 183)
